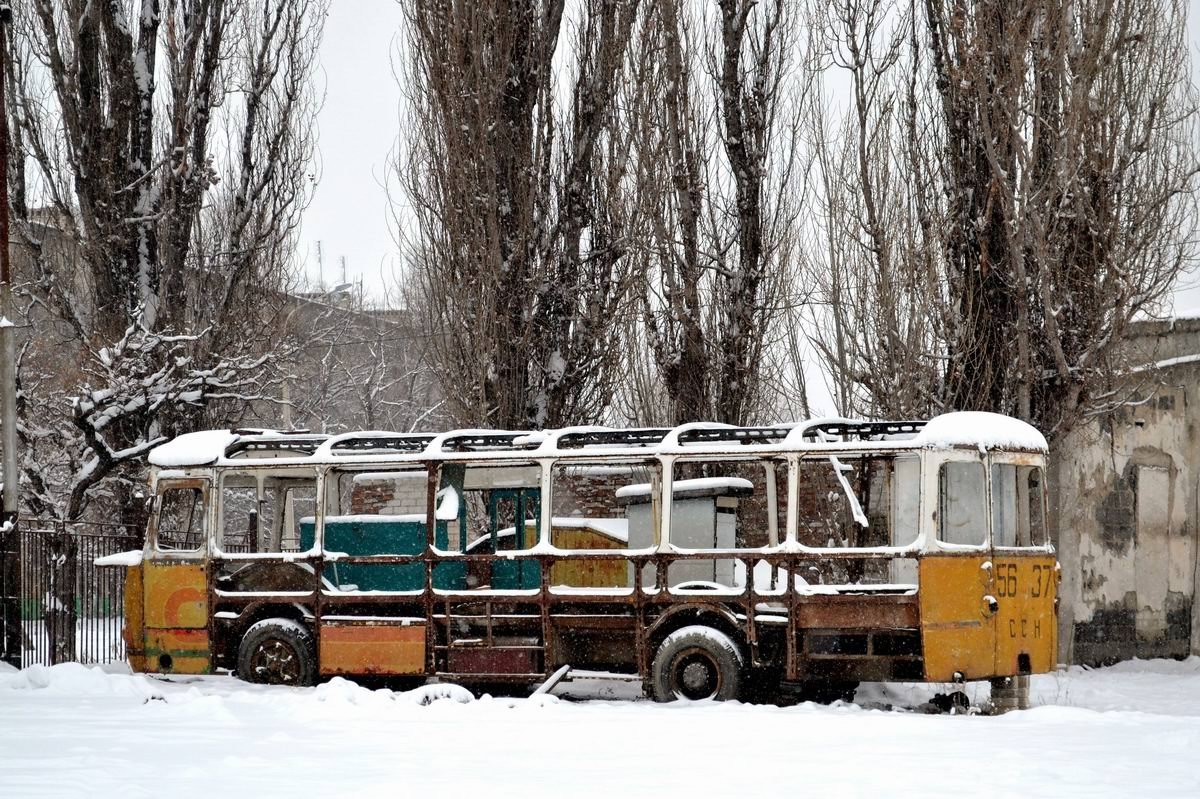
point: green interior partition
(382, 535)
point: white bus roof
(985, 431)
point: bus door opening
(175, 581)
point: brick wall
(389, 497)
(590, 491)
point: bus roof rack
(863, 431)
(486, 441)
(260, 441)
(400, 442)
(637, 437)
(746, 435)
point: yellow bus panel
(362, 649)
(1025, 588)
(957, 626)
(176, 595)
(588, 573)
(178, 651)
(134, 630)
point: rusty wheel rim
(695, 675)
(275, 662)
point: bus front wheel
(278, 652)
(696, 662)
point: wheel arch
(707, 614)
(281, 649)
(230, 632)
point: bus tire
(278, 652)
(696, 662)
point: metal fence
(71, 609)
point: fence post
(61, 613)
(11, 642)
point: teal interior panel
(362, 535)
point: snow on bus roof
(193, 449)
(979, 429)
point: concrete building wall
(1126, 501)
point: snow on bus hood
(980, 429)
(193, 449)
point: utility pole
(10, 541)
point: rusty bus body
(818, 554)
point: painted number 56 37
(1006, 579)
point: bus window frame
(435, 474)
(260, 474)
(161, 487)
(925, 537)
(655, 497)
(933, 487)
(776, 523)
(1019, 459)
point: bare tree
(517, 259)
(673, 143)
(1024, 186)
(719, 167)
(156, 247)
(363, 371)
(1070, 166)
(882, 318)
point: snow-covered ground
(1130, 730)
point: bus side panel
(958, 632)
(372, 649)
(1026, 586)
(176, 617)
(135, 622)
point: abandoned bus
(709, 561)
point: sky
(358, 123)
(1187, 294)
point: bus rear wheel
(694, 663)
(278, 652)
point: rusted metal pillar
(10, 541)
